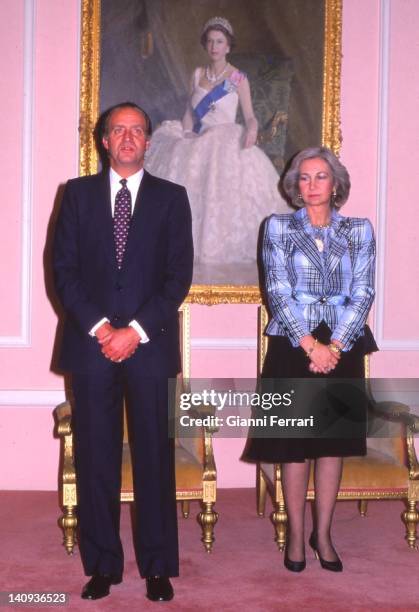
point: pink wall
(49, 73)
(401, 320)
(359, 103)
(223, 336)
(385, 192)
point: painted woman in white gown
(231, 183)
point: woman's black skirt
(285, 364)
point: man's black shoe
(99, 586)
(159, 588)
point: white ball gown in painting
(231, 189)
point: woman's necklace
(319, 235)
(213, 78)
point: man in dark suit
(123, 265)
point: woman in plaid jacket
(319, 286)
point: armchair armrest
(394, 411)
(206, 412)
(399, 413)
(199, 440)
(412, 424)
(63, 416)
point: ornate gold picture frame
(90, 105)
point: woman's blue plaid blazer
(303, 289)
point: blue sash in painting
(208, 101)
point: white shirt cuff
(95, 327)
(143, 336)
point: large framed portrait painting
(286, 53)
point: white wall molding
(390, 344)
(224, 344)
(397, 344)
(53, 397)
(23, 338)
(31, 397)
(382, 166)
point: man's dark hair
(107, 116)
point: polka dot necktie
(121, 220)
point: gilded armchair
(390, 470)
(196, 475)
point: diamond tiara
(214, 21)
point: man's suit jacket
(154, 280)
(303, 290)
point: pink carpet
(244, 572)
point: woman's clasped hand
(323, 358)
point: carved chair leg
(185, 507)
(207, 518)
(279, 519)
(362, 507)
(410, 518)
(68, 522)
(260, 491)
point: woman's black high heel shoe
(294, 566)
(332, 566)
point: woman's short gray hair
(341, 180)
